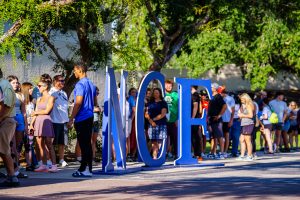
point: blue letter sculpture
(113, 122)
(139, 123)
(186, 121)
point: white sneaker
(248, 158)
(87, 172)
(225, 155)
(63, 163)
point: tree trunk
(70, 82)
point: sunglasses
(40, 86)
(62, 80)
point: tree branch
(18, 24)
(59, 2)
(12, 31)
(54, 50)
(155, 19)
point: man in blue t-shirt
(84, 100)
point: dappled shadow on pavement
(230, 187)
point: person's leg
(277, 138)
(196, 140)
(78, 151)
(94, 141)
(19, 144)
(174, 138)
(41, 147)
(61, 151)
(49, 145)
(296, 139)
(226, 136)
(291, 138)
(204, 144)
(235, 132)
(253, 139)
(84, 137)
(154, 149)
(285, 140)
(9, 164)
(243, 145)
(221, 142)
(267, 133)
(169, 146)
(248, 145)
(226, 145)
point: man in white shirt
(59, 116)
(227, 117)
(280, 108)
(7, 130)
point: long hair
(10, 78)
(25, 87)
(248, 100)
(160, 94)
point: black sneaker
(11, 181)
(30, 168)
(21, 175)
(2, 175)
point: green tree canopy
(261, 37)
(34, 23)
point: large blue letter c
(139, 122)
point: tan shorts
(7, 131)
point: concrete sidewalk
(268, 177)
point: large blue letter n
(185, 121)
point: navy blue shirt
(85, 88)
(155, 108)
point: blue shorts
(20, 122)
(286, 126)
(96, 127)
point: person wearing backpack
(280, 108)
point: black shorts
(278, 126)
(294, 128)
(59, 131)
(216, 128)
(225, 127)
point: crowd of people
(36, 119)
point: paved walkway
(268, 177)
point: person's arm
(147, 116)
(161, 115)
(23, 110)
(231, 117)
(285, 113)
(96, 105)
(133, 112)
(48, 109)
(34, 116)
(224, 107)
(195, 109)
(4, 110)
(76, 108)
